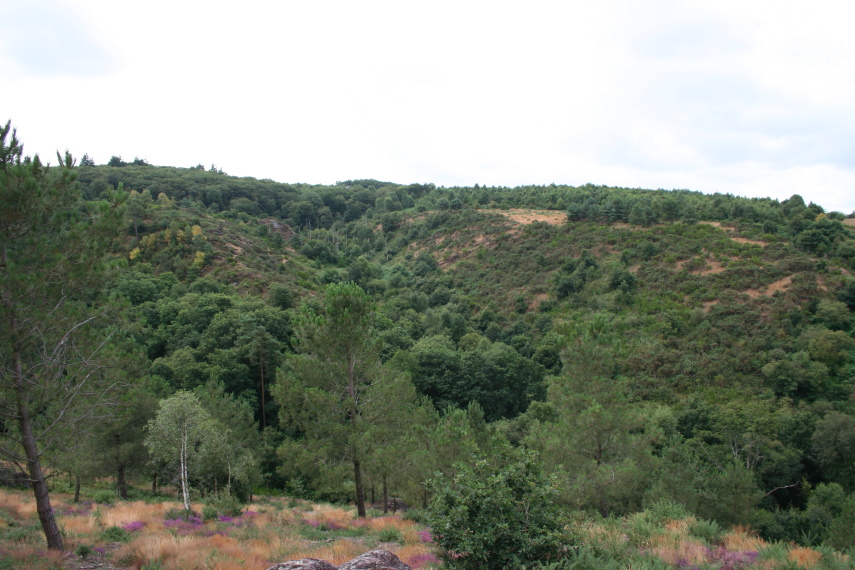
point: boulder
(375, 560)
(303, 564)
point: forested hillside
(624, 348)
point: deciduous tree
(181, 433)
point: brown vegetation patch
(525, 217)
(804, 557)
(779, 285)
(713, 267)
(771, 289)
(746, 240)
(730, 229)
(536, 301)
(742, 539)
(235, 248)
(849, 221)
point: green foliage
(221, 503)
(389, 534)
(336, 389)
(56, 338)
(83, 551)
(209, 512)
(841, 534)
(490, 516)
(185, 436)
(104, 496)
(680, 378)
(115, 534)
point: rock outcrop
(373, 560)
(304, 564)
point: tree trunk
(31, 450)
(263, 413)
(122, 481)
(385, 496)
(154, 483)
(76, 489)
(185, 492)
(34, 466)
(360, 491)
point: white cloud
(748, 98)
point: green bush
(389, 534)
(83, 551)
(209, 512)
(178, 514)
(841, 535)
(116, 534)
(710, 531)
(226, 504)
(416, 515)
(490, 517)
(104, 496)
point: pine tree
(51, 250)
(329, 390)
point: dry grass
(338, 552)
(525, 217)
(18, 506)
(125, 513)
(333, 517)
(265, 534)
(804, 557)
(742, 539)
(32, 558)
(684, 551)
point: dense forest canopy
(648, 345)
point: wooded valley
(599, 355)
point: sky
(752, 98)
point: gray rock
(303, 564)
(375, 560)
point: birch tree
(181, 434)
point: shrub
(209, 512)
(116, 534)
(710, 531)
(389, 534)
(178, 514)
(226, 504)
(497, 518)
(104, 497)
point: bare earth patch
(536, 301)
(779, 285)
(525, 217)
(713, 267)
(737, 239)
(746, 240)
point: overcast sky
(753, 98)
